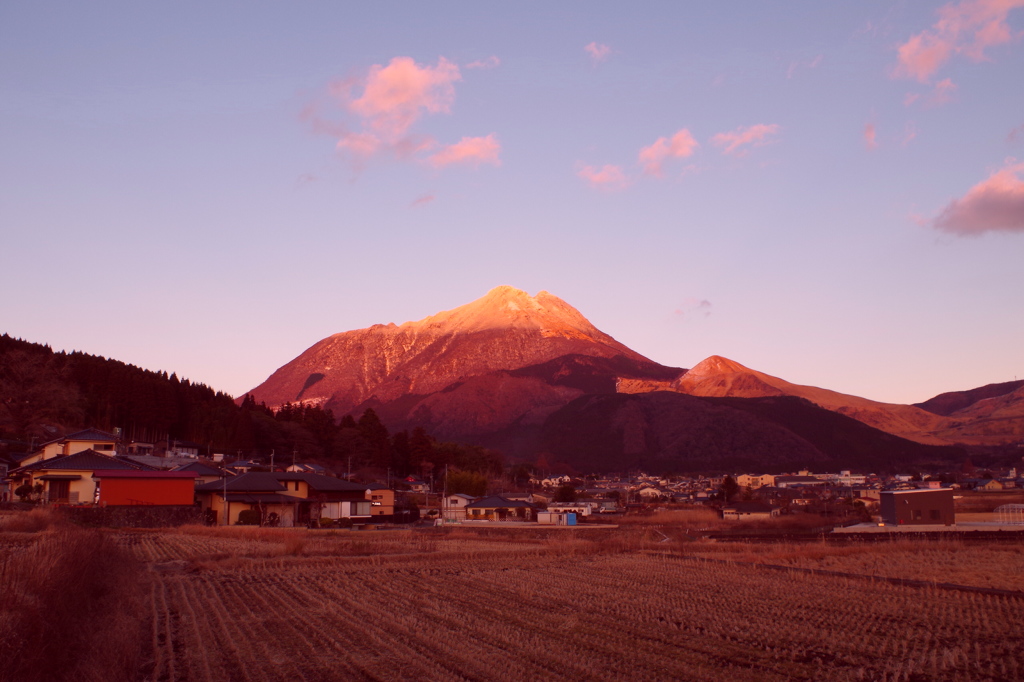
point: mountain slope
(665, 431)
(946, 404)
(506, 329)
(720, 377)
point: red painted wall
(131, 491)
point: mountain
(666, 431)
(989, 415)
(954, 401)
(505, 330)
(720, 377)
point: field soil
(639, 602)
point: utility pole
(271, 461)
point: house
(204, 472)
(68, 479)
(382, 500)
(121, 487)
(917, 507)
(453, 507)
(497, 508)
(796, 481)
(244, 466)
(183, 448)
(554, 518)
(748, 511)
(79, 441)
(294, 498)
(754, 481)
(578, 508)
(416, 485)
(307, 469)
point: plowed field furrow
(535, 631)
(424, 607)
(384, 628)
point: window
(916, 515)
(934, 514)
(103, 446)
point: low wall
(134, 517)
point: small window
(934, 514)
(916, 515)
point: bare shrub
(31, 521)
(70, 610)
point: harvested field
(998, 566)
(262, 605)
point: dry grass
(980, 502)
(71, 609)
(31, 521)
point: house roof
(321, 483)
(263, 498)
(200, 469)
(86, 460)
(496, 501)
(254, 481)
(271, 482)
(100, 473)
(84, 434)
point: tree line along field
(252, 604)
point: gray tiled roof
(84, 434)
(88, 460)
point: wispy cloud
(735, 142)
(489, 63)
(798, 64)
(994, 205)
(653, 158)
(421, 201)
(469, 150)
(967, 28)
(693, 307)
(1016, 134)
(870, 138)
(941, 93)
(909, 133)
(598, 52)
(383, 108)
(606, 177)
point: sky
(831, 193)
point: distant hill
(665, 431)
(720, 377)
(946, 404)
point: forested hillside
(44, 394)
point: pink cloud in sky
(995, 204)
(421, 201)
(598, 52)
(733, 142)
(397, 95)
(489, 63)
(870, 140)
(967, 28)
(606, 177)
(653, 158)
(469, 150)
(1016, 134)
